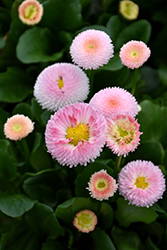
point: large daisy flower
(76, 134)
(115, 101)
(91, 49)
(61, 84)
(142, 183)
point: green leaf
(66, 15)
(101, 240)
(81, 182)
(67, 210)
(41, 219)
(8, 169)
(23, 108)
(162, 73)
(114, 64)
(52, 245)
(43, 186)
(106, 216)
(15, 205)
(139, 30)
(152, 122)
(39, 158)
(126, 240)
(15, 85)
(150, 245)
(35, 45)
(115, 25)
(127, 214)
(4, 115)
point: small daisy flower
(30, 12)
(123, 135)
(18, 127)
(102, 185)
(134, 54)
(129, 10)
(85, 221)
(91, 49)
(142, 183)
(76, 134)
(61, 84)
(115, 101)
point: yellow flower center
(17, 127)
(134, 53)
(30, 11)
(79, 133)
(85, 220)
(141, 182)
(60, 82)
(122, 133)
(101, 184)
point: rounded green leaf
(8, 169)
(15, 205)
(114, 64)
(15, 85)
(138, 30)
(115, 25)
(35, 46)
(42, 219)
(127, 214)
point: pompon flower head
(142, 183)
(61, 84)
(76, 134)
(134, 54)
(101, 185)
(129, 10)
(91, 49)
(30, 12)
(123, 135)
(17, 127)
(85, 221)
(115, 101)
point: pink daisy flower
(115, 101)
(18, 127)
(91, 49)
(85, 221)
(30, 12)
(123, 135)
(142, 183)
(61, 84)
(134, 54)
(76, 134)
(102, 185)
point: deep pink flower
(61, 84)
(142, 183)
(76, 134)
(91, 49)
(134, 54)
(123, 135)
(102, 185)
(85, 221)
(115, 101)
(30, 12)
(17, 127)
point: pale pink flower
(134, 54)
(18, 127)
(101, 185)
(123, 135)
(115, 101)
(30, 12)
(85, 221)
(61, 84)
(76, 134)
(142, 183)
(91, 49)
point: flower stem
(26, 149)
(135, 79)
(118, 162)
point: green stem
(118, 162)
(135, 79)
(26, 149)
